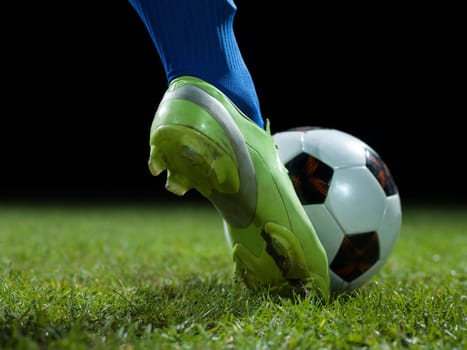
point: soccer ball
(350, 197)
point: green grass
(152, 277)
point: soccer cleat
(206, 143)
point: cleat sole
(192, 160)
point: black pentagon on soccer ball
(356, 254)
(310, 178)
(381, 172)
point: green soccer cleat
(206, 143)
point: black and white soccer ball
(350, 197)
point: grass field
(145, 276)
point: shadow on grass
(192, 304)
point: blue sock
(195, 37)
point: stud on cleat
(177, 184)
(157, 165)
(251, 268)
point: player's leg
(206, 141)
(196, 38)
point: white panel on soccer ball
(356, 200)
(335, 148)
(337, 283)
(329, 232)
(289, 144)
(390, 227)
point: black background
(81, 82)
